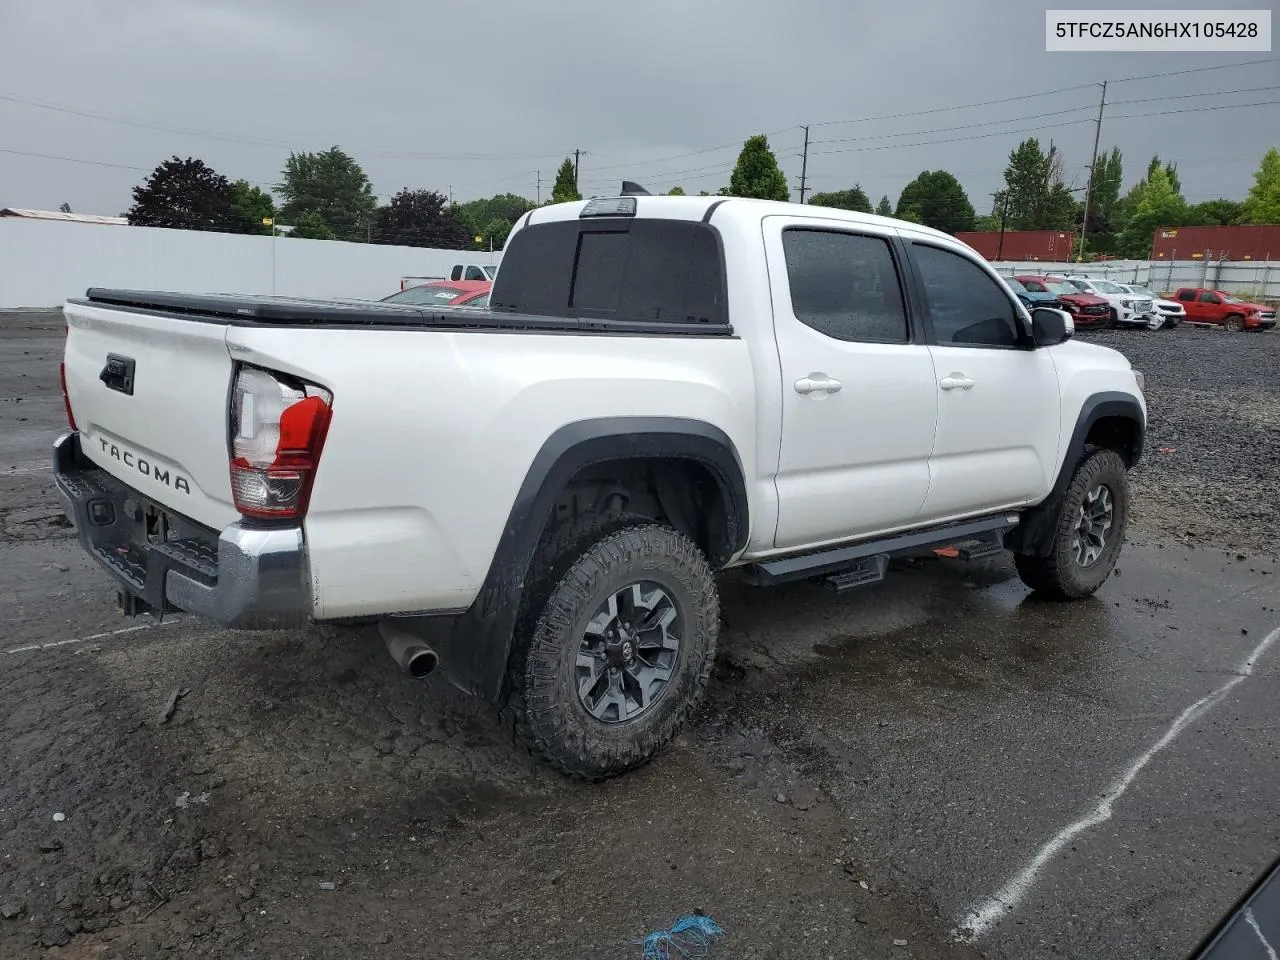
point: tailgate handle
(118, 373)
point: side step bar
(865, 562)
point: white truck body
(939, 408)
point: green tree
(1262, 205)
(676, 192)
(910, 213)
(254, 205)
(495, 232)
(477, 214)
(566, 187)
(311, 226)
(1038, 199)
(855, 198)
(1211, 213)
(884, 207)
(1108, 174)
(421, 218)
(757, 173)
(1158, 205)
(186, 195)
(333, 185)
(938, 200)
(1127, 205)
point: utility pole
(575, 167)
(538, 174)
(1093, 166)
(451, 193)
(804, 166)
(1001, 197)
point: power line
(1050, 126)
(737, 144)
(967, 126)
(1179, 73)
(962, 106)
(1217, 106)
(927, 143)
(248, 141)
(1052, 113)
(1193, 96)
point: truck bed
(245, 310)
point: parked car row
(1104, 303)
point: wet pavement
(935, 766)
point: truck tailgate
(149, 395)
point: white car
(663, 387)
(1126, 308)
(1168, 313)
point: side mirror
(1051, 326)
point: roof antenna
(632, 189)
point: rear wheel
(1234, 323)
(619, 654)
(1090, 531)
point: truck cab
(473, 271)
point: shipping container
(1021, 245)
(1253, 242)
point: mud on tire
(650, 574)
(1084, 528)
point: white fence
(1253, 278)
(42, 263)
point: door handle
(818, 384)
(957, 381)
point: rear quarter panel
(433, 433)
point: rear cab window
(620, 269)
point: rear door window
(844, 285)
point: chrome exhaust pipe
(414, 654)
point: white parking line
(97, 636)
(983, 917)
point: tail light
(66, 399)
(278, 425)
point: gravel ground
(1210, 475)
(306, 800)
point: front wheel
(620, 654)
(1089, 533)
(1235, 323)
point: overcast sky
(477, 96)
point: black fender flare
(480, 641)
(1034, 533)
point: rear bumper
(246, 577)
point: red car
(445, 293)
(1086, 309)
(1222, 309)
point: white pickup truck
(663, 388)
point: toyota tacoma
(662, 388)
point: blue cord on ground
(690, 936)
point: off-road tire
(1058, 576)
(589, 560)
